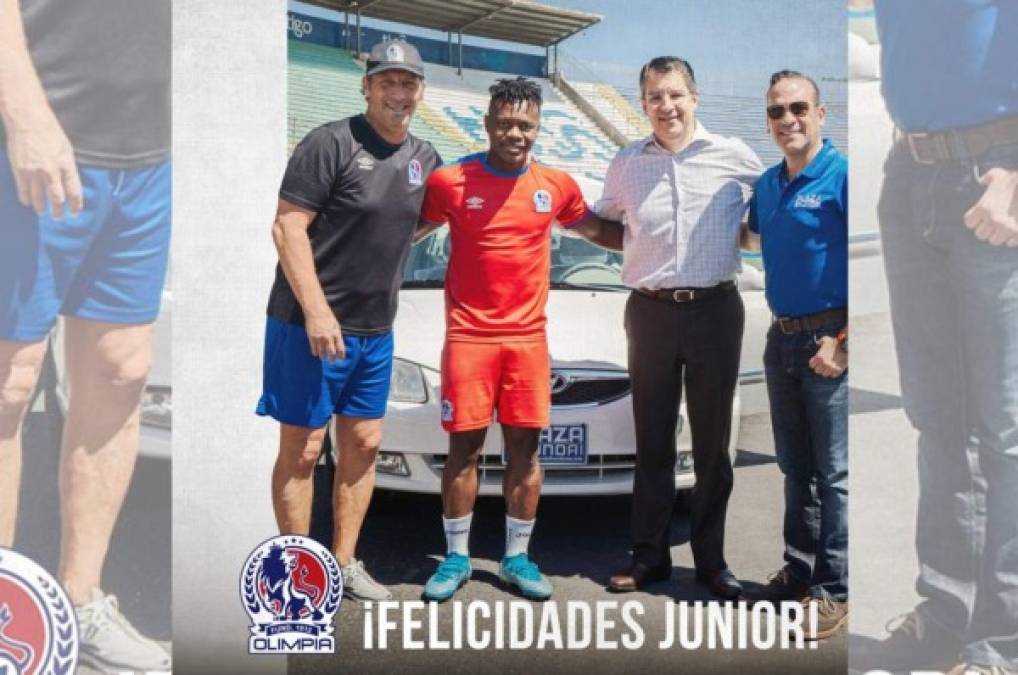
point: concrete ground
(578, 542)
(883, 470)
(883, 488)
(138, 566)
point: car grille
(579, 387)
(598, 467)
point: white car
(590, 447)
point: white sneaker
(358, 584)
(109, 643)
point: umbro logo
(365, 163)
(475, 203)
(808, 201)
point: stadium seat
(324, 85)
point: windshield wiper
(423, 283)
(569, 286)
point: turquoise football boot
(521, 572)
(452, 573)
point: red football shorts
(481, 377)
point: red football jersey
(497, 283)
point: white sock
(457, 534)
(517, 535)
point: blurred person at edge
(949, 224)
(85, 229)
(348, 207)
(799, 216)
(682, 193)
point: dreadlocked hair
(514, 92)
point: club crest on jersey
(291, 588)
(475, 203)
(542, 201)
(394, 53)
(38, 630)
(808, 202)
(416, 173)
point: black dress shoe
(721, 583)
(637, 576)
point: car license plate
(560, 444)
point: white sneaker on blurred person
(109, 643)
(360, 586)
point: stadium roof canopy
(519, 21)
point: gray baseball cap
(395, 55)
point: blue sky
(733, 45)
(730, 43)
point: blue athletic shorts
(108, 263)
(302, 390)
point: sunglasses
(798, 108)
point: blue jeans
(809, 417)
(954, 307)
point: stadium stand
(569, 140)
(629, 121)
(728, 115)
(324, 85)
(743, 117)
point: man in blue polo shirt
(949, 231)
(799, 213)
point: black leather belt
(959, 144)
(681, 295)
(790, 325)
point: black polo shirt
(367, 193)
(105, 67)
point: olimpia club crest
(542, 201)
(415, 174)
(291, 588)
(395, 54)
(38, 629)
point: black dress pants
(698, 344)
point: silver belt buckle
(914, 150)
(782, 328)
(683, 295)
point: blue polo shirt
(948, 63)
(803, 228)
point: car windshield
(576, 264)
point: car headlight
(407, 384)
(392, 463)
(157, 406)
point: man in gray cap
(348, 206)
